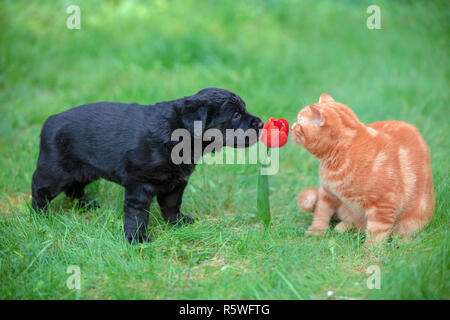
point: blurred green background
(278, 56)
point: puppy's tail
(307, 199)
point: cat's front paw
(316, 231)
(375, 242)
(341, 227)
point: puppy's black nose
(257, 123)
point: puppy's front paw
(134, 238)
(180, 219)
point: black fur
(130, 145)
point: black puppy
(130, 144)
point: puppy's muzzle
(257, 124)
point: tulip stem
(263, 203)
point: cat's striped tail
(307, 199)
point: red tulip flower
(275, 133)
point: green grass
(279, 56)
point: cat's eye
(236, 115)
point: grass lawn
(278, 56)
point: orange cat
(376, 177)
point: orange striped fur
(376, 178)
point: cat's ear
(325, 98)
(317, 116)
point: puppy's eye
(236, 115)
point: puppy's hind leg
(170, 204)
(75, 190)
